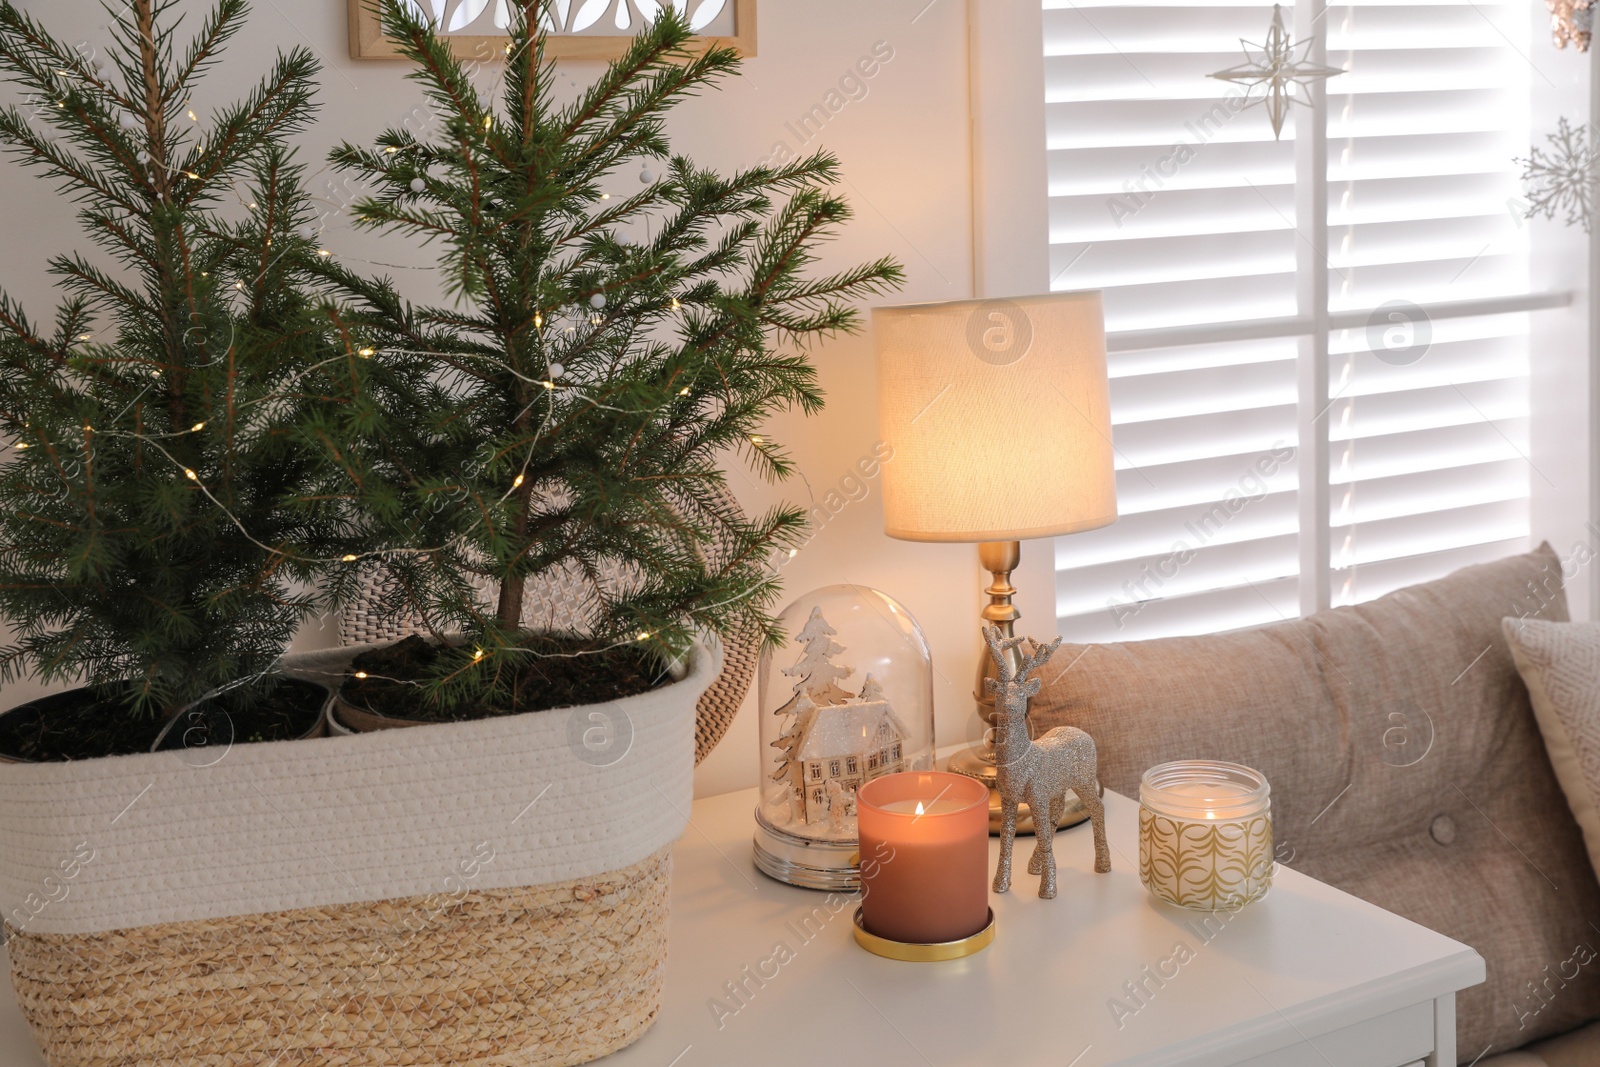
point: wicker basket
(554, 975)
(459, 894)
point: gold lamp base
(1000, 558)
(920, 952)
(971, 762)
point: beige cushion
(1560, 664)
(1580, 1048)
(1405, 764)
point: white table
(1308, 977)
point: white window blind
(1429, 458)
(1318, 346)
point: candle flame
(919, 808)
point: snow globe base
(806, 862)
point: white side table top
(1305, 961)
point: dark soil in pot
(561, 671)
(78, 724)
(290, 710)
(91, 722)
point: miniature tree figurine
(605, 355)
(819, 675)
(145, 543)
(817, 678)
(788, 743)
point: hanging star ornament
(1280, 65)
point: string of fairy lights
(88, 70)
(457, 544)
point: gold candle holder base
(919, 952)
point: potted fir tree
(155, 543)
(566, 419)
(146, 543)
(623, 323)
(489, 887)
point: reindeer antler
(1038, 657)
(999, 646)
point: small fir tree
(817, 683)
(143, 533)
(605, 354)
(789, 770)
(818, 675)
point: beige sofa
(1406, 768)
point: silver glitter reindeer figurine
(1038, 772)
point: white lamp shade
(999, 418)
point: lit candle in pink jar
(924, 856)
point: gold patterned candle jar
(1205, 834)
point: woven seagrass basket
(474, 893)
(554, 974)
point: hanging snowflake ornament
(1560, 178)
(1571, 20)
(1280, 65)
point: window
(850, 764)
(1318, 346)
(833, 768)
(816, 770)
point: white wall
(905, 152)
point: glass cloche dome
(846, 698)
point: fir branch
(36, 151)
(14, 320)
(280, 105)
(146, 533)
(583, 390)
(225, 20)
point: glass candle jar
(1205, 834)
(924, 856)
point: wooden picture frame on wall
(368, 42)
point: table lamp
(999, 416)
